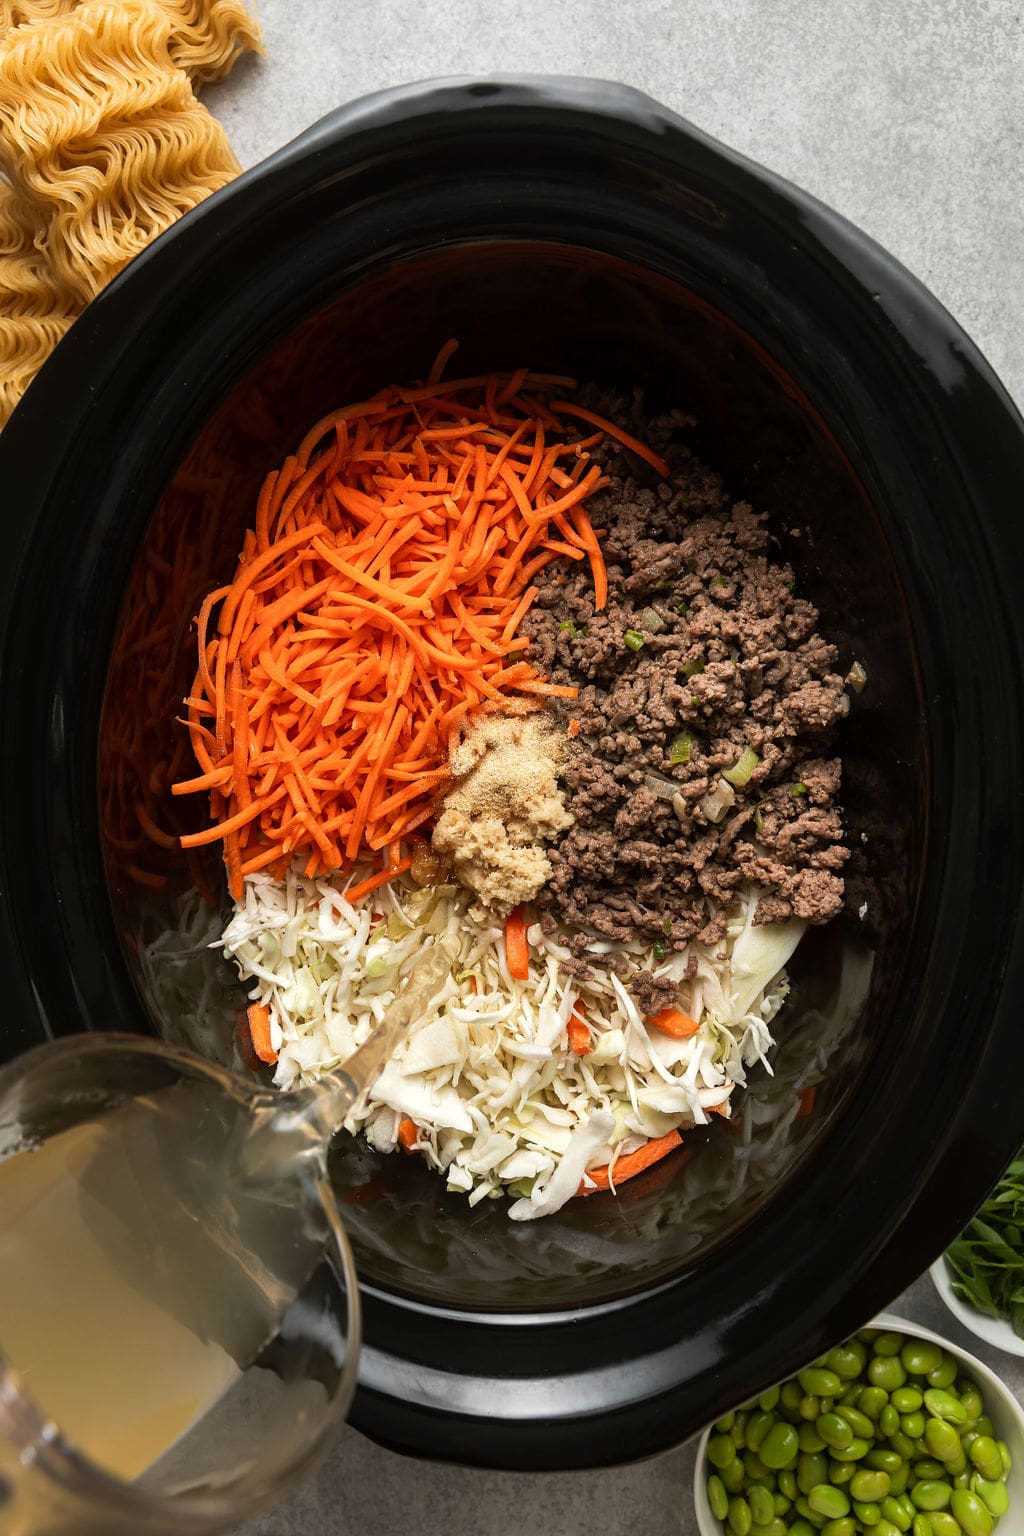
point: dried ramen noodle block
(102, 138)
(206, 37)
(34, 311)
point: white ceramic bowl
(1005, 1411)
(994, 1330)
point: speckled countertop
(908, 119)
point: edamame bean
(889, 1421)
(790, 1395)
(871, 1400)
(886, 1528)
(769, 1400)
(774, 1528)
(888, 1343)
(780, 1446)
(963, 1479)
(931, 1494)
(867, 1514)
(912, 1425)
(943, 1524)
(886, 1371)
(859, 1421)
(805, 1512)
(906, 1399)
(762, 1505)
(893, 1511)
(974, 1403)
(738, 1518)
(754, 1466)
(869, 1486)
(943, 1375)
(983, 1426)
(828, 1501)
(717, 1497)
(841, 1472)
(818, 1382)
(1005, 1457)
(758, 1426)
(811, 1469)
(788, 1484)
(835, 1430)
(843, 1527)
(808, 1437)
(921, 1526)
(801, 1527)
(970, 1513)
(847, 1360)
(738, 1432)
(733, 1476)
(943, 1405)
(810, 1407)
(993, 1495)
(957, 1465)
(900, 1478)
(856, 1449)
(903, 1445)
(782, 1505)
(850, 1395)
(725, 1423)
(929, 1469)
(721, 1451)
(881, 1460)
(919, 1356)
(941, 1439)
(984, 1453)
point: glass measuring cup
(179, 1318)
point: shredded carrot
(408, 1134)
(671, 1022)
(364, 887)
(807, 1099)
(579, 1033)
(517, 951)
(573, 728)
(376, 604)
(259, 1030)
(628, 1167)
(569, 408)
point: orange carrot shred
(807, 1099)
(628, 1167)
(517, 952)
(671, 1022)
(408, 1134)
(579, 1033)
(259, 1030)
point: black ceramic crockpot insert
(568, 226)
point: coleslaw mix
(501, 1103)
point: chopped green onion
(856, 677)
(666, 927)
(694, 701)
(717, 581)
(634, 639)
(758, 821)
(683, 610)
(659, 950)
(742, 768)
(718, 802)
(680, 749)
(798, 789)
(691, 668)
(569, 627)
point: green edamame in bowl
(894, 1433)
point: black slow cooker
(568, 225)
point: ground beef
(737, 662)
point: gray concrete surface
(906, 115)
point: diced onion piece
(742, 768)
(718, 802)
(652, 620)
(665, 789)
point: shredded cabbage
(498, 1097)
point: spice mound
(504, 807)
